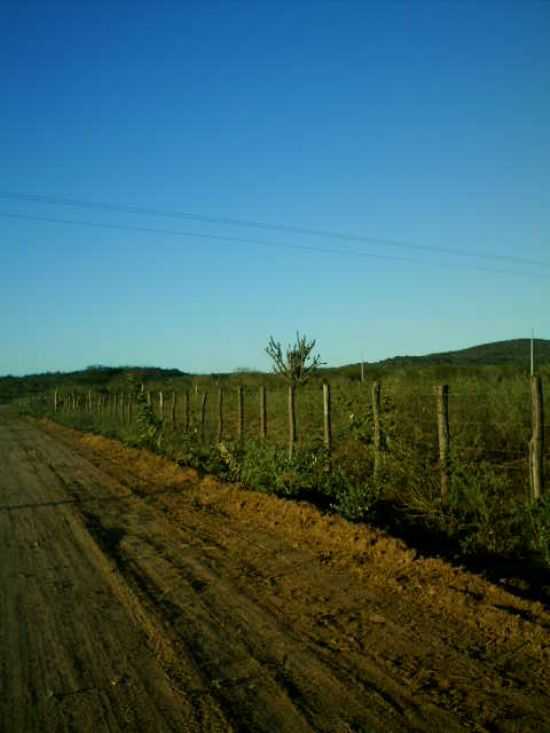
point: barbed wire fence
(440, 425)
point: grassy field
(488, 509)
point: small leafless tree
(296, 366)
(298, 363)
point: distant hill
(508, 354)
(514, 353)
(93, 377)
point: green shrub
(535, 521)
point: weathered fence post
(377, 436)
(536, 444)
(55, 400)
(240, 413)
(173, 409)
(148, 398)
(161, 405)
(263, 413)
(186, 410)
(220, 415)
(327, 417)
(130, 405)
(204, 397)
(291, 420)
(443, 437)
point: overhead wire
(230, 221)
(268, 243)
(199, 235)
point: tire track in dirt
(72, 656)
(257, 689)
(260, 615)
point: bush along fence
(464, 459)
(166, 414)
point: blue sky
(422, 123)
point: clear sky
(421, 123)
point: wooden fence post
(377, 436)
(536, 444)
(291, 420)
(55, 400)
(148, 398)
(443, 437)
(161, 405)
(263, 413)
(220, 415)
(240, 414)
(173, 409)
(186, 411)
(327, 417)
(204, 397)
(130, 405)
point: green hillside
(512, 353)
(93, 377)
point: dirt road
(135, 596)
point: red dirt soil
(136, 595)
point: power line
(266, 243)
(218, 237)
(228, 221)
